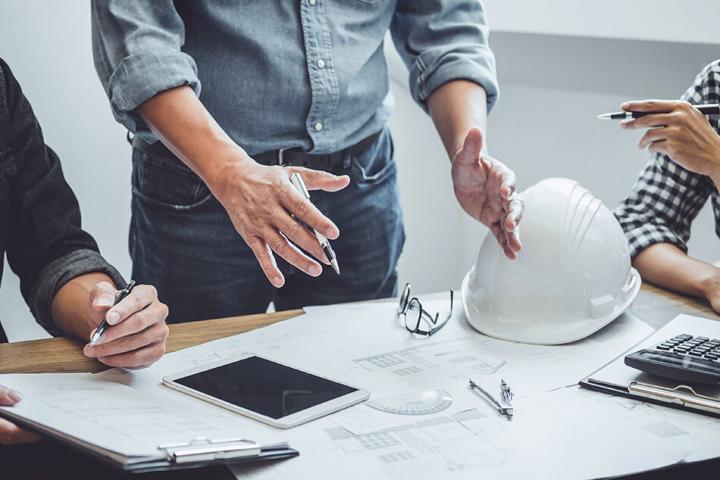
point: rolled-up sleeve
(444, 40)
(663, 203)
(137, 49)
(59, 272)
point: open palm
(485, 188)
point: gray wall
(544, 125)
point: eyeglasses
(419, 321)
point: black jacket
(39, 214)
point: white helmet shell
(572, 278)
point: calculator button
(695, 354)
(663, 347)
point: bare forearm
(70, 305)
(666, 265)
(455, 107)
(185, 126)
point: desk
(653, 305)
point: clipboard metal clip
(204, 449)
(682, 395)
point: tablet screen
(265, 387)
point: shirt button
(312, 2)
(318, 126)
(321, 63)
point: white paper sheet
(109, 415)
(557, 435)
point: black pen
(711, 109)
(103, 325)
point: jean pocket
(377, 163)
(167, 183)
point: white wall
(544, 125)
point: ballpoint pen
(103, 325)
(299, 185)
(712, 109)
(502, 406)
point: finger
(11, 434)
(654, 135)
(9, 397)
(139, 298)
(266, 259)
(102, 296)
(136, 359)
(320, 180)
(650, 121)
(514, 211)
(659, 147)
(470, 151)
(141, 329)
(508, 182)
(156, 333)
(298, 234)
(280, 245)
(139, 321)
(513, 242)
(660, 106)
(303, 210)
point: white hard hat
(572, 277)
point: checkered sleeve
(666, 197)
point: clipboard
(197, 453)
(616, 378)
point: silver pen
(299, 185)
(502, 406)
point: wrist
(226, 164)
(71, 307)
(708, 281)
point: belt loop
(281, 157)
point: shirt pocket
(166, 183)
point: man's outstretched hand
(485, 189)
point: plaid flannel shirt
(666, 197)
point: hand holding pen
(676, 129)
(131, 329)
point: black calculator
(683, 357)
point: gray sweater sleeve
(60, 271)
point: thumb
(470, 151)
(319, 180)
(102, 296)
(8, 397)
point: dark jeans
(182, 241)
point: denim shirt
(39, 214)
(279, 73)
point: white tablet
(266, 390)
